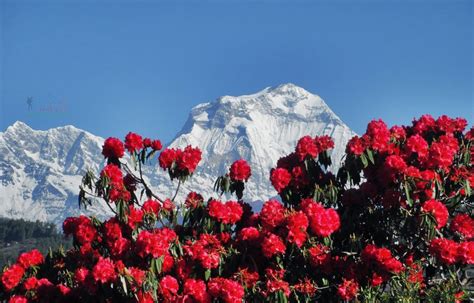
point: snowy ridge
(260, 128)
(40, 171)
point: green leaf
(407, 194)
(467, 188)
(370, 155)
(157, 265)
(207, 274)
(363, 158)
(124, 284)
(281, 297)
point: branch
(95, 196)
(177, 190)
(142, 181)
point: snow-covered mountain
(40, 171)
(260, 128)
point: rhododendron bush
(394, 224)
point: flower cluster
(449, 252)
(240, 170)
(180, 163)
(394, 222)
(227, 213)
(296, 174)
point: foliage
(395, 224)
(17, 236)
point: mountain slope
(260, 128)
(40, 171)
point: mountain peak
(289, 89)
(19, 125)
(259, 127)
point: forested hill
(17, 236)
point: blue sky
(113, 67)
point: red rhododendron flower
(297, 223)
(438, 210)
(145, 297)
(319, 255)
(381, 259)
(442, 153)
(272, 245)
(272, 214)
(247, 277)
(112, 229)
(151, 244)
(395, 163)
(30, 283)
(168, 205)
(240, 170)
(348, 289)
(397, 132)
(134, 217)
(250, 234)
(417, 144)
(424, 124)
(137, 274)
(196, 290)
(229, 291)
(306, 287)
(31, 258)
(466, 252)
(113, 173)
(355, 146)
(190, 158)
(156, 145)
(217, 210)
(113, 148)
(12, 276)
(18, 299)
(104, 270)
(151, 206)
(235, 212)
(227, 213)
(167, 158)
(81, 274)
(306, 147)
(323, 143)
(169, 287)
(310, 207)
(146, 142)
(444, 250)
(324, 222)
(378, 135)
(206, 251)
(448, 125)
(274, 286)
(82, 229)
(193, 200)
(280, 179)
(464, 225)
(133, 142)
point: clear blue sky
(110, 67)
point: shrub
(395, 224)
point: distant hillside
(17, 236)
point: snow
(40, 171)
